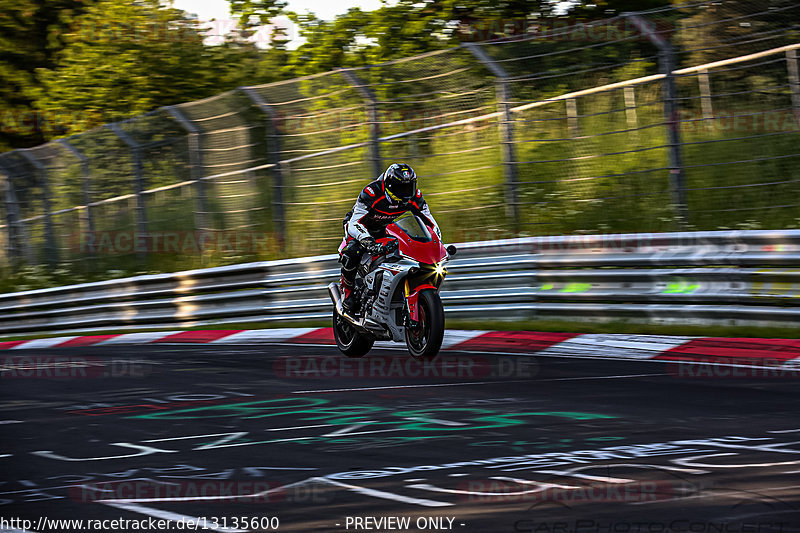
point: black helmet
(400, 183)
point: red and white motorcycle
(397, 291)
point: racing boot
(349, 301)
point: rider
(379, 204)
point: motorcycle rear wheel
(349, 341)
(425, 339)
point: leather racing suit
(367, 221)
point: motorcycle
(397, 293)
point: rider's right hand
(368, 243)
(373, 247)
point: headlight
(440, 270)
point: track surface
(476, 442)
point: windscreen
(414, 228)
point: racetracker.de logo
(498, 490)
(444, 366)
(171, 242)
(561, 30)
(738, 368)
(70, 367)
(207, 491)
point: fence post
(195, 166)
(138, 186)
(503, 90)
(18, 245)
(279, 172)
(630, 109)
(51, 249)
(666, 59)
(372, 116)
(705, 94)
(12, 218)
(86, 215)
(572, 117)
(794, 80)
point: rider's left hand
(391, 246)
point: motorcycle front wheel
(425, 339)
(349, 341)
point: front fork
(412, 288)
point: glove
(369, 244)
(391, 246)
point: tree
(410, 27)
(31, 35)
(254, 12)
(405, 28)
(610, 8)
(123, 59)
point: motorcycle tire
(425, 339)
(349, 341)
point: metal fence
(731, 278)
(671, 119)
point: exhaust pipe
(336, 296)
(363, 325)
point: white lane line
(409, 386)
(173, 517)
(15, 530)
(436, 421)
(572, 473)
(347, 429)
(792, 363)
(385, 495)
(233, 435)
(601, 357)
(277, 468)
(785, 431)
(369, 432)
(42, 343)
(134, 502)
(716, 494)
(5, 455)
(582, 378)
(475, 383)
(432, 488)
(535, 483)
(300, 427)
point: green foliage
(606, 8)
(124, 59)
(32, 277)
(404, 28)
(31, 35)
(261, 11)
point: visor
(401, 190)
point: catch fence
(673, 119)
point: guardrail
(727, 277)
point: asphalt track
(232, 437)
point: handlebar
(383, 249)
